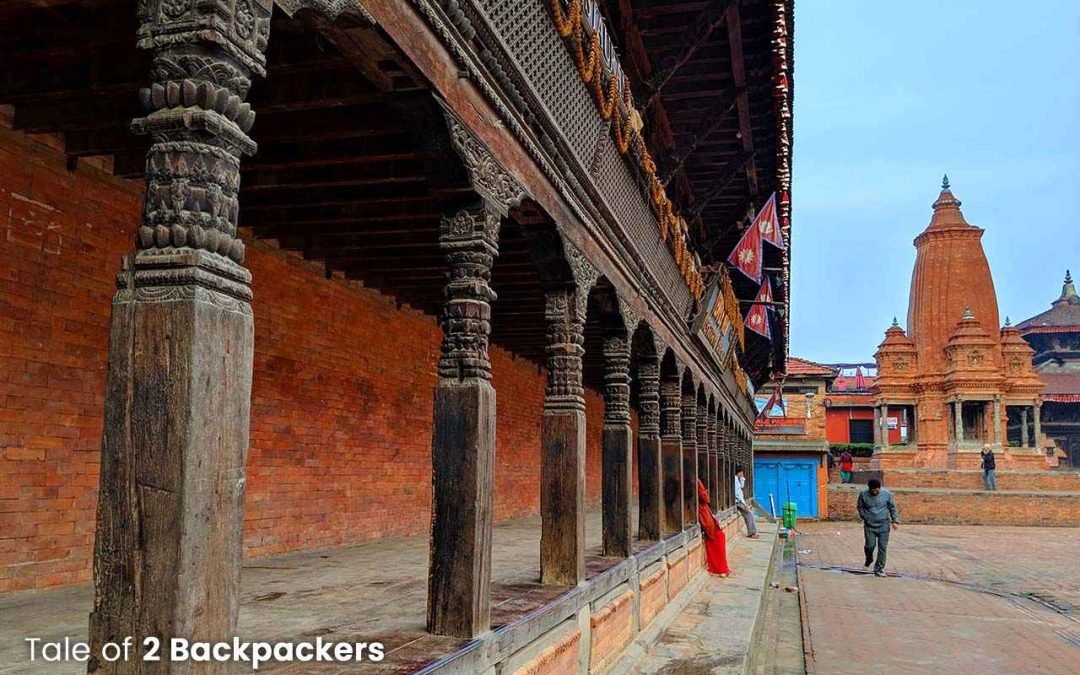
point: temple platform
(953, 506)
(376, 592)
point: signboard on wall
(894, 422)
(780, 425)
(712, 326)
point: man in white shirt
(740, 503)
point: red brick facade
(341, 411)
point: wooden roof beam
(738, 72)
(697, 34)
(736, 164)
(725, 108)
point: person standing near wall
(988, 467)
(741, 504)
(847, 463)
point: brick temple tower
(955, 372)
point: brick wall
(341, 402)
(957, 507)
(1029, 481)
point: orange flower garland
(592, 71)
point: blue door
(787, 479)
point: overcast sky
(888, 96)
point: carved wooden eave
(467, 33)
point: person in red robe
(714, 538)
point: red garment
(714, 538)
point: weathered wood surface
(562, 498)
(170, 512)
(463, 457)
(617, 479)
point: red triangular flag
(777, 399)
(757, 319)
(746, 256)
(768, 224)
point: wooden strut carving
(469, 238)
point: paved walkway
(958, 600)
(714, 633)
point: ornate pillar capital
(616, 379)
(565, 326)
(469, 239)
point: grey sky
(888, 96)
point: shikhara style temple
(955, 374)
(381, 269)
(1055, 337)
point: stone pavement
(958, 600)
(714, 633)
(370, 592)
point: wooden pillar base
(562, 498)
(672, 473)
(650, 495)
(617, 488)
(463, 457)
(171, 506)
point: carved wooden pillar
(463, 439)
(958, 405)
(714, 464)
(562, 431)
(463, 443)
(702, 463)
(650, 502)
(616, 472)
(178, 388)
(724, 442)
(671, 452)
(1023, 427)
(689, 458)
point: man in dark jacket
(988, 466)
(878, 512)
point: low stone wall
(1025, 481)
(968, 507)
(602, 625)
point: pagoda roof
(1059, 385)
(1063, 314)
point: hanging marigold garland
(626, 130)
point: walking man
(878, 512)
(988, 466)
(740, 503)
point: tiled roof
(1060, 383)
(797, 367)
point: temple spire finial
(1068, 277)
(1008, 322)
(968, 314)
(895, 323)
(945, 182)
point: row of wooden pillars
(168, 545)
